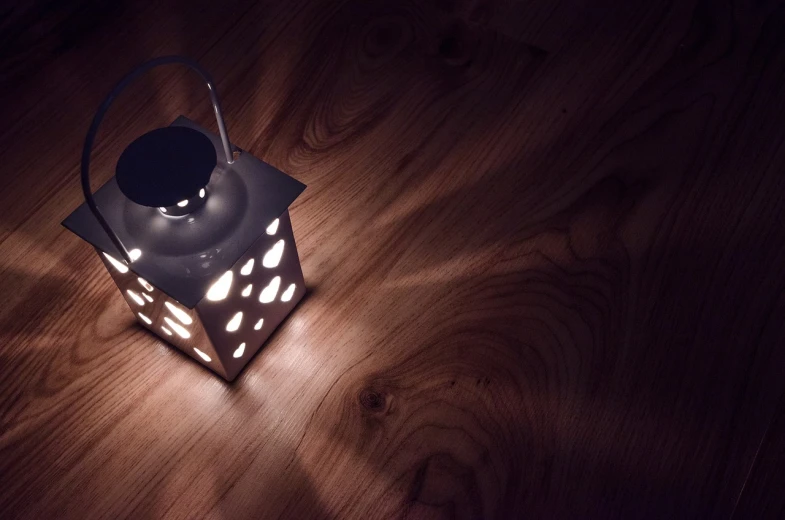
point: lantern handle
(99, 116)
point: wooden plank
(543, 255)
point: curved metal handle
(99, 116)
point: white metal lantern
(196, 234)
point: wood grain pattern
(543, 243)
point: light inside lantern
(235, 322)
(247, 268)
(135, 254)
(179, 313)
(179, 329)
(201, 193)
(273, 257)
(135, 297)
(268, 293)
(116, 263)
(220, 289)
(146, 285)
(182, 203)
(288, 293)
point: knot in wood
(373, 400)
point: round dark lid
(166, 166)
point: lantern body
(240, 311)
(214, 282)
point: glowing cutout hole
(272, 228)
(203, 355)
(268, 293)
(179, 329)
(116, 263)
(135, 254)
(240, 350)
(259, 324)
(273, 257)
(146, 285)
(220, 289)
(147, 297)
(247, 268)
(288, 293)
(135, 297)
(247, 291)
(145, 319)
(235, 322)
(179, 313)
(167, 331)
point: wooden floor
(544, 242)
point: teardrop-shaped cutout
(220, 289)
(235, 322)
(268, 293)
(179, 313)
(247, 268)
(135, 297)
(273, 257)
(179, 329)
(288, 293)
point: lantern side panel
(163, 315)
(244, 308)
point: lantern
(196, 234)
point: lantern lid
(183, 256)
(165, 166)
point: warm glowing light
(162, 210)
(247, 291)
(146, 285)
(273, 257)
(247, 268)
(288, 293)
(179, 329)
(258, 324)
(268, 293)
(240, 350)
(220, 289)
(182, 203)
(201, 193)
(272, 228)
(179, 313)
(135, 297)
(145, 319)
(235, 322)
(116, 263)
(202, 355)
(168, 332)
(135, 254)
(147, 297)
